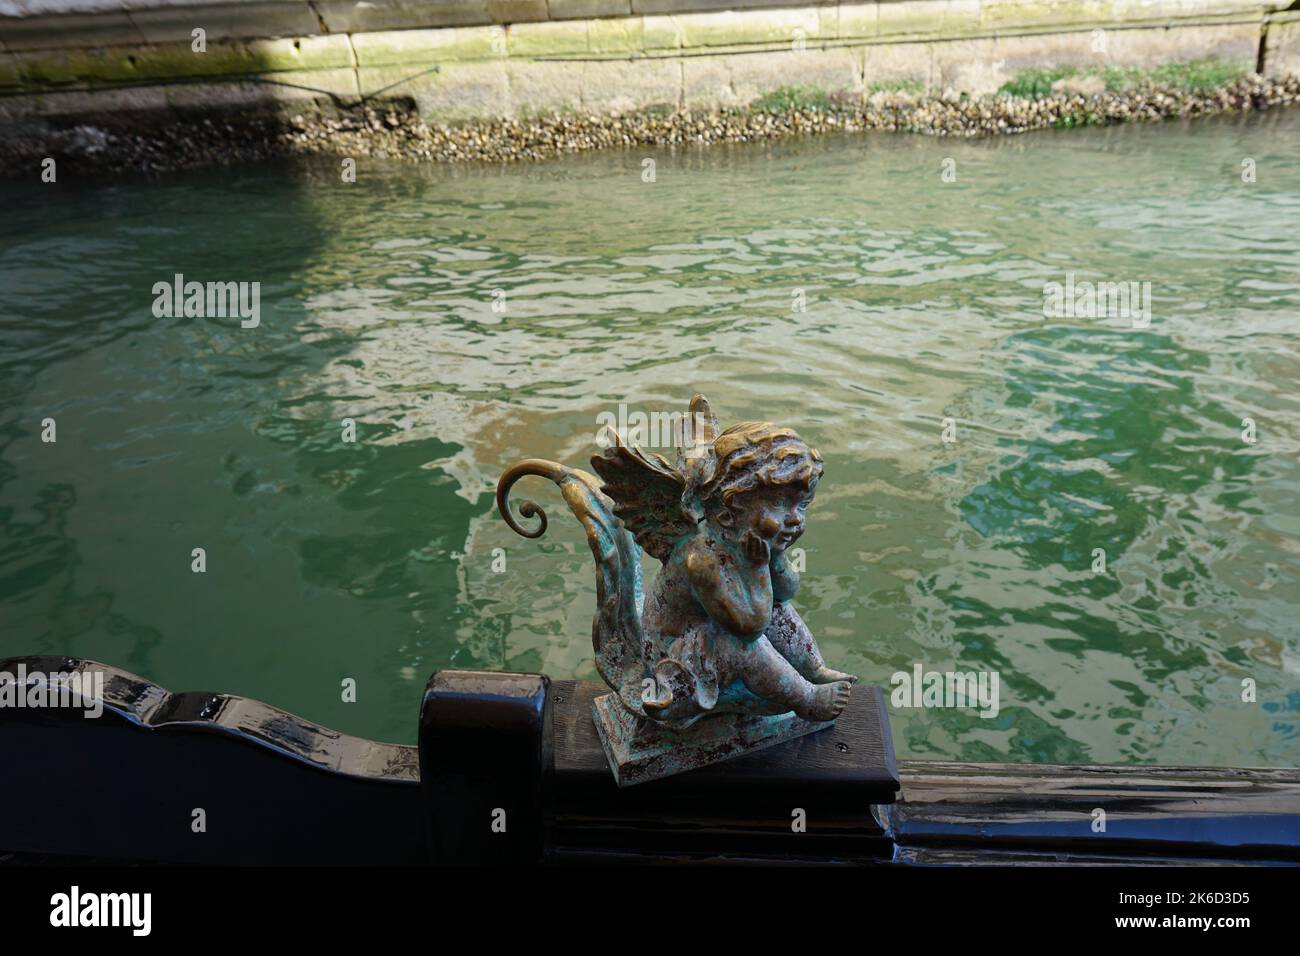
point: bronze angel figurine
(717, 633)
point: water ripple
(837, 285)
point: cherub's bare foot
(827, 702)
(829, 675)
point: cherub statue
(717, 633)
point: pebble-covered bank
(400, 134)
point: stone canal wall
(481, 59)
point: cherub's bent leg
(793, 641)
(770, 676)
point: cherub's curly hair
(749, 455)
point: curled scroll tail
(529, 466)
(616, 633)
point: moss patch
(898, 86)
(789, 99)
(1197, 75)
(1033, 83)
(1194, 75)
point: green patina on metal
(716, 662)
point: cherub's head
(762, 480)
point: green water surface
(374, 560)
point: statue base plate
(639, 750)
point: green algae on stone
(164, 61)
(914, 87)
(789, 99)
(1037, 82)
(1197, 75)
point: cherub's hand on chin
(756, 548)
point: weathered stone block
(1165, 10)
(1236, 44)
(18, 8)
(1282, 51)
(928, 17)
(706, 83)
(396, 82)
(113, 64)
(734, 28)
(516, 11)
(1006, 14)
(661, 33)
(350, 16)
(713, 81)
(547, 39)
(889, 67)
(295, 88)
(828, 21)
(175, 23)
(460, 91)
(67, 31)
(858, 20)
(961, 17)
(429, 46)
(982, 65)
(686, 7)
(620, 86)
(178, 60)
(837, 71)
(577, 9)
(136, 99)
(623, 35)
(223, 58)
(301, 53)
(975, 66)
(540, 89)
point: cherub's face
(776, 513)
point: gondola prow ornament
(714, 662)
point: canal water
(884, 295)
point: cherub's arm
(785, 580)
(735, 591)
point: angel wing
(647, 495)
(641, 503)
(616, 636)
